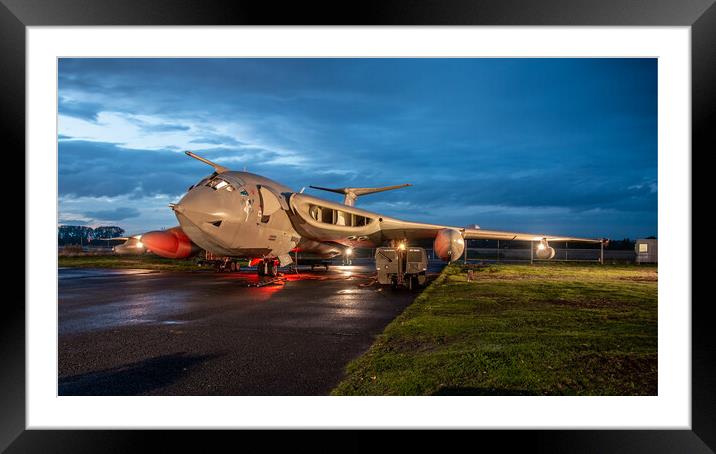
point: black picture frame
(700, 15)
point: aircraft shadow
(131, 379)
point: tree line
(80, 234)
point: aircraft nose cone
(199, 206)
(192, 205)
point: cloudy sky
(562, 146)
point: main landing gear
(267, 267)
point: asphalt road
(138, 332)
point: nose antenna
(217, 167)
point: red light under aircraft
(241, 214)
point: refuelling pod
(449, 244)
(171, 244)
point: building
(646, 250)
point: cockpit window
(244, 192)
(217, 184)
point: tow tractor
(401, 266)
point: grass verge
(547, 329)
(151, 262)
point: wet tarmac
(140, 332)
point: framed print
(114, 88)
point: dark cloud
(97, 169)
(164, 128)
(218, 139)
(79, 109)
(116, 214)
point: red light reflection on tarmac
(266, 292)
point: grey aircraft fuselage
(241, 214)
(237, 214)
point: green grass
(543, 329)
(151, 262)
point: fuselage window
(337, 217)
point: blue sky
(561, 146)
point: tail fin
(353, 193)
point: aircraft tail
(351, 194)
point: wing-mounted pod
(449, 244)
(351, 194)
(544, 251)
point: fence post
(601, 252)
(465, 256)
(498, 251)
(532, 252)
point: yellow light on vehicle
(140, 244)
(349, 251)
(540, 246)
(401, 246)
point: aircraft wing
(325, 221)
(480, 234)
(397, 229)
